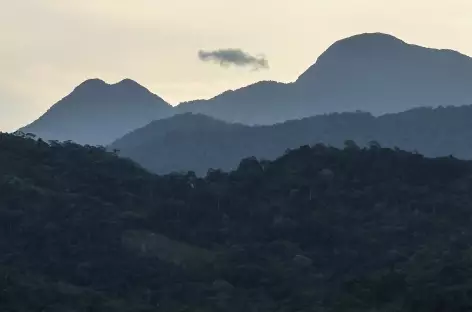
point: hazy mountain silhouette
(98, 113)
(197, 142)
(265, 102)
(376, 73)
(373, 72)
(186, 142)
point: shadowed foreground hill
(197, 142)
(318, 229)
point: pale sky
(47, 47)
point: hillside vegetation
(317, 229)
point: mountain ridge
(198, 143)
(96, 112)
(372, 72)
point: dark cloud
(236, 57)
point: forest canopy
(318, 229)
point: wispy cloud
(235, 57)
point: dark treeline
(317, 229)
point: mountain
(98, 113)
(265, 102)
(187, 142)
(318, 229)
(371, 72)
(197, 142)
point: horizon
(48, 62)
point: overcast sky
(47, 47)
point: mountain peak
(365, 44)
(99, 84)
(93, 83)
(132, 89)
(380, 73)
(377, 38)
(127, 83)
(361, 46)
(97, 89)
(96, 112)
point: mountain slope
(371, 72)
(185, 142)
(318, 229)
(264, 102)
(197, 142)
(98, 113)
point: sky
(47, 47)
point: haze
(50, 46)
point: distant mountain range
(376, 73)
(197, 142)
(97, 113)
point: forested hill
(318, 229)
(197, 142)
